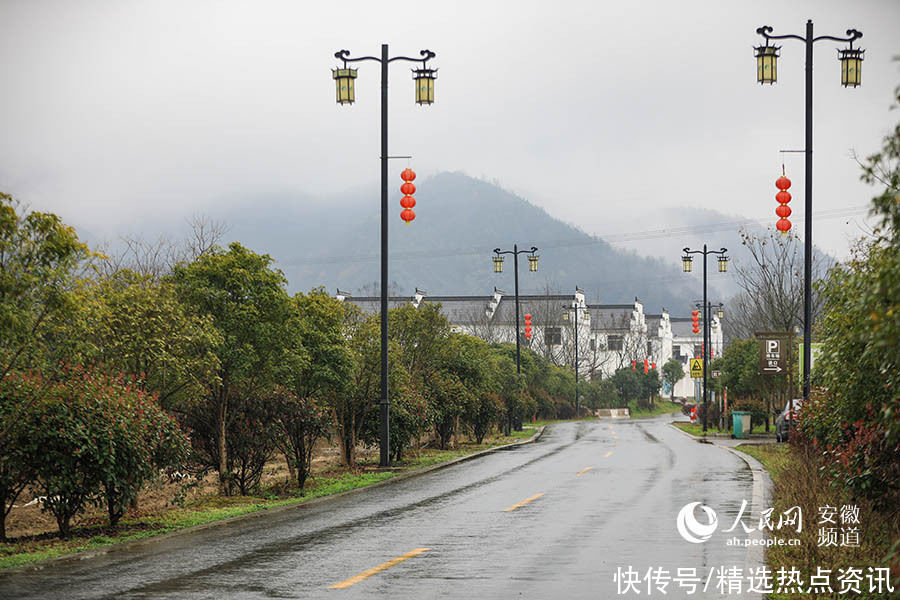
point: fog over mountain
(334, 242)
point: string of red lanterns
(783, 197)
(527, 326)
(695, 320)
(407, 201)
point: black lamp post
(766, 72)
(576, 307)
(498, 268)
(344, 79)
(686, 262)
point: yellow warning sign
(696, 367)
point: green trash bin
(741, 424)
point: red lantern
(407, 202)
(654, 366)
(695, 320)
(634, 365)
(783, 210)
(646, 367)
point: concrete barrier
(613, 413)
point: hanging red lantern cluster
(654, 366)
(783, 211)
(527, 326)
(695, 320)
(646, 367)
(634, 365)
(407, 201)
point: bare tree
(157, 257)
(771, 282)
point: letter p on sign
(772, 345)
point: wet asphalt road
(566, 543)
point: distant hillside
(334, 242)
(448, 248)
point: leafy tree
(39, 256)
(601, 394)
(672, 373)
(315, 382)
(628, 384)
(301, 421)
(136, 325)
(92, 438)
(251, 311)
(357, 403)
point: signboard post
(772, 353)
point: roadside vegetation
(175, 377)
(846, 449)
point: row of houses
(610, 336)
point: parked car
(781, 423)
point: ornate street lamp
(851, 63)
(344, 80)
(498, 264)
(723, 265)
(767, 63)
(498, 268)
(686, 262)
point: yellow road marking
(523, 502)
(375, 570)
(608, 454)
(584, 470)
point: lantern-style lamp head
(343, 79)
(533, 262)
(498, 264)
(851, 66)
(723, 263)
(566, 315)
(424, 79)
(720, 313)
(767, 63)
(686, 262)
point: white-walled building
(610, 336)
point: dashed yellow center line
(608, 454)
(583, 471)
(375, 570)
(523, 502)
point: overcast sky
(605, 113)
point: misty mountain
(447, 250)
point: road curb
(87, 554)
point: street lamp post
(708, 349)
(851, 64)
(498, 268)
(345, 79)
(686, 262)
(575, 307)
